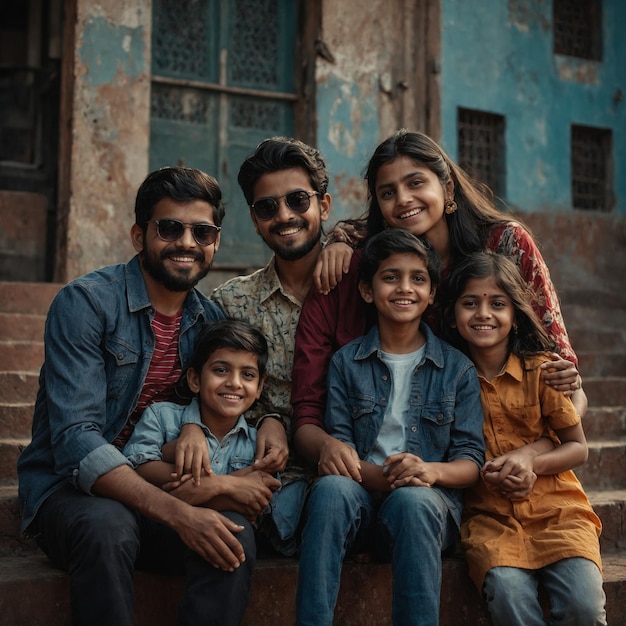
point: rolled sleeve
(97, 463)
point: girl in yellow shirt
(527, 522)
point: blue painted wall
(497, 57)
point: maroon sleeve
(327, 322)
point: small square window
(577, 28)
(481, 147)
(591, 168)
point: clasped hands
(511, 475)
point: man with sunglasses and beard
(285, 186)
(117, 340)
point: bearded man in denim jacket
(117, 340)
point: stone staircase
(33, 593)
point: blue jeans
(410, 527)
(574, 588)
(98, 541)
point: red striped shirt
(163, 372)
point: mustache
(297, 223)
(196, 254)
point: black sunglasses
(298, 201)
(172, 230)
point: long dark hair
(476, 213)
(530, 337)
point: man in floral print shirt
(285, 185)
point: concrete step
(364, 598)
(605, 390)
(16, 419)
(604, 469)
(605, 422)
(18, 387)
(610, 506)
(12, 543)
(588, 311)
(23, 297)
(595, 364)
(9, 452)
(21, 356)
(21, 327)
(589, 339)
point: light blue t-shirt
(392, 435)
(161, 422)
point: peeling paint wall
(499, 59)
(110, 131)
(367, 85)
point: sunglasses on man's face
(298, 201)
(172, 230)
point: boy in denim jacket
(409, 404)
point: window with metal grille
(577, 28)
(225, 75)
(591, 168)
(481, 147)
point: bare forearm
(156, 472)
(562, 458)
(125, 485)
(309, 440)
(579, 400)
(374, 477)
(456, 474)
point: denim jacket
(161, 422)
(98, 346)
(445, 413)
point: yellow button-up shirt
(555, 521)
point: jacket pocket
(121, 364)
(365, 412)
(437, 422)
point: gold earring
(450, 207)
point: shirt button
(413, 429)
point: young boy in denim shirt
(226, 374)
(410, 405)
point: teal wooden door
(222, 81)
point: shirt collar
(370, 344)
(137, 294)
(240, 426)
(270, 283)
(513, 368)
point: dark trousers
(99, 541)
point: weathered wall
(377, 72)
(107, 150)
(500, 59)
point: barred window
(481, 147)
(591, 168)
(577, 28)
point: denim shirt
(445, 413)
(98, 346)
(161, 422)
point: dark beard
(293, 254)
(171, 281)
